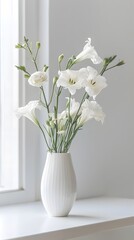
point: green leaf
(26, 39)
(22, 68)
(18, 46)
(120, 63)
(48, 123)
(45, 68)
(112, 58)
(26, 76)
(107, 61)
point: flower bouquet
(59, 129)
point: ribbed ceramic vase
(58, 184)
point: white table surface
(29, 221)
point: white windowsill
(29, 221)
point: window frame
(27, 156)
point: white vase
(58, 184)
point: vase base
(57, 216)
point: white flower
(29, 111)
(91, 109)
(88, 53)
(71, 80)
(37, 79)
(74, 106)
(94, 82)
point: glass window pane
(9, 152)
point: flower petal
(91, 109)
(28, 111)
(71, 80)
(88, 53)
(37, 79)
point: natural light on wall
(9, 151)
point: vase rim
(55, 153)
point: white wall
(102, 155)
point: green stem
(70, 131)
(52, 139)
(51, 95)
(46, 130)
(56, 114)
(103, 69)
(47, 106)
(59, 66)
(106, 68)
(44, 136)
(36, 54)
(66, 147)
(30, 51)
(110, 68)
(27, 73)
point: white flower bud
(37, 79)
(55, 80)
(38, 45)
(60, 58)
